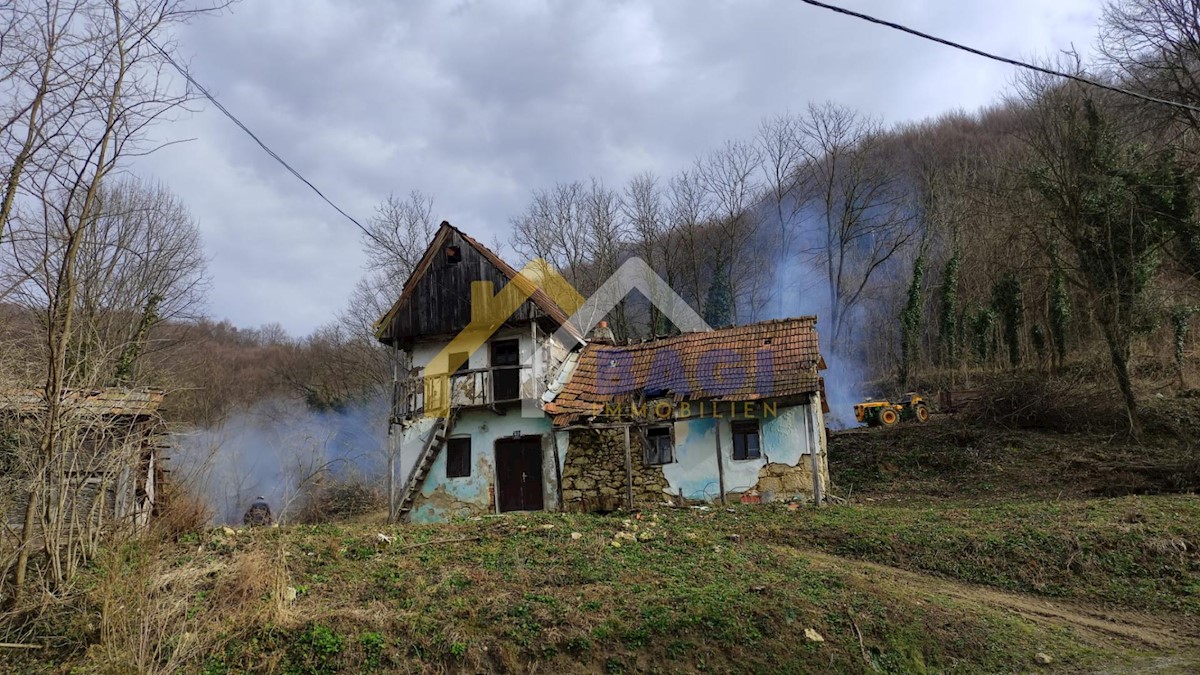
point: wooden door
(519, 473)
(506, 370)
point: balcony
(466, 388)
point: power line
(233, 118)
(996, 57)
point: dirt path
(1135, 629)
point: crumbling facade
(522, 412)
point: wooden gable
(436, 299)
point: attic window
(767, 341)
(453, 255)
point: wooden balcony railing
(473, 388)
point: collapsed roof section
(771, 359)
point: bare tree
(727, 174)
(862, 221)
(1155, 46)
(688, 208)
(647, 220)
(781, 147)
(108, 86)
(554, 228)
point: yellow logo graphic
(489, 311)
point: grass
(701, 590)
(693, 590)
(1138, 552)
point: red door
(519, 473)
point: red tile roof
(764, 360)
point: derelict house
(475, 365)
(114, 474)
(505, 405)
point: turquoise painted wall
(784, 438)
(470, 495)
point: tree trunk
(1118, 350)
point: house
(527, 413)
(113, 475)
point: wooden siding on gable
(437, 297)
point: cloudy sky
(478, 103)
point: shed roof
(771, 359)
(105, 401)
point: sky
(479, 103)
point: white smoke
(276, 447)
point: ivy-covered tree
(1037, 335)
(910, 321)
(1116, 204)
(948, 332)
(1009, 303)
(983, 325)
(1181, 319)
(1060, 313)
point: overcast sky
(478, 103)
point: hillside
(955, 554)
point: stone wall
(593, 475)
(785, 481)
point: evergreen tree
(718, 307)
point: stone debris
(383, 538)
(1043, 658)
(576, 536)
(813, 636)
(228, 531)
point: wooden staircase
(429, 452)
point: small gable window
(745, 440)
(453, 255)
(458, 458)
(660, 447)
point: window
(453, 255)
(660, 448)
(458, 458)
(745, 440)
(506, 373)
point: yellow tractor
(889, 414)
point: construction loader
(888, 414)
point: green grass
(680, 593)
(1138, 552)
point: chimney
(602, 334)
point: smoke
(276, 448)
(801, 286)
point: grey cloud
(477, 103)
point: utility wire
(996, 57)
(233, 118)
